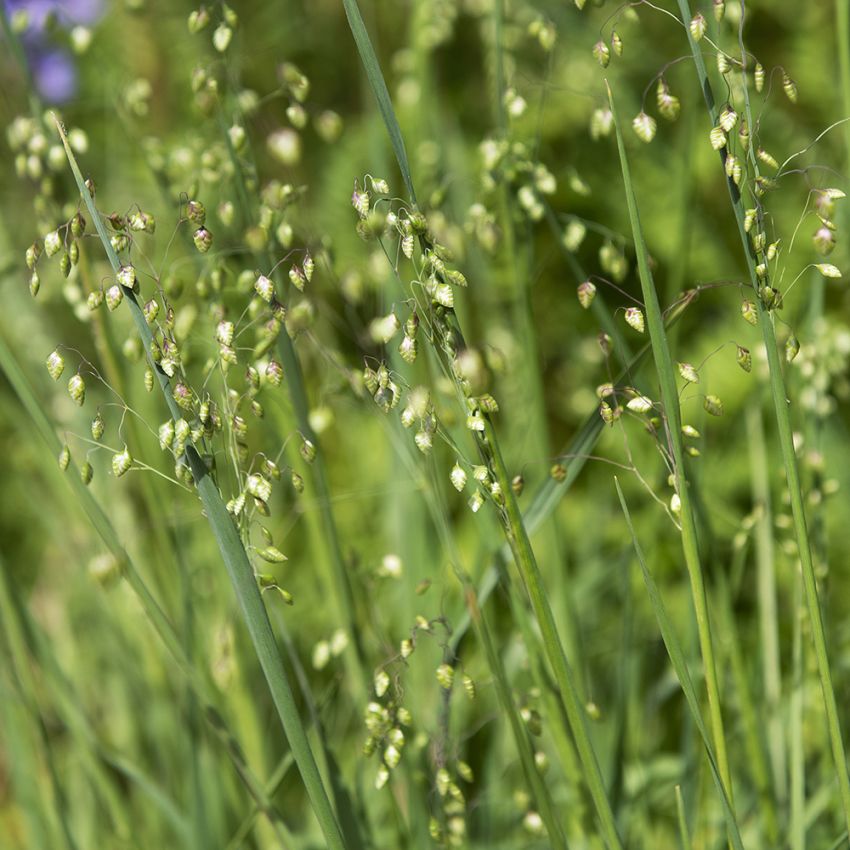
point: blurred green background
(101, 742)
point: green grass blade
(684, 835)
(680, 666)
(154, 612)
(670, 399)
(510, 516)
(520, 734)
(786, 441)
(27, 642)
(797, 755)
(236, 562)
(767, 602)
(379, 89)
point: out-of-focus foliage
(362, 500)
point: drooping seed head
(97, 426)
(55, 364)
(744, 359)
(727, 119)
(297, 277)
(458, 477)
(259, 486)
(792, 348)
(586, 293)
(308, 451)
(222, 36)
(824, 240)
(77, 389)
(697, 26)
(196, 213)
(203, 239)
(198, 20)
(224, 332)
(407, 349)
(616, 43)
(713, 405)
(789, 87)
(183, 395)
(689, 373)
(121, 462)
(640, 404)
(767, 159)
(635, 319)
(126, 276)
(78, 226)
(668, 105)
(644, 126)
(717, 137)
(828, 270)
(360, 202)
(114, 296)
(308, 267)
(601, 53)
(151, 310)
(446, 676)
(264, 288)
(32, 255)
(274, 373)
(749, 312)
(52, 243)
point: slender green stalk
(526, 563)
(752, 723)
(684, 835)
(842, 32)
(29, 698)
(28, 646)
(509, 513)
(520, 734)
(236, 561)
(325, 534)
(670, 400)
(786, 441)
(677, 657)
(797, 756)
(767, 606)
(154, 612)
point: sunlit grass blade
(153, 611)
(235, 559)
(379, 89)
(684, 835)
(670, 399)
(679, 662)
(767, 601)
(510, 516)
(533, 777)
(785, 433)
(29, 646)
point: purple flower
(53, 69)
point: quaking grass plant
(435, 621)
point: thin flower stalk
(235, 559)
(785, 432)
(670, 398)
(449, 338)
